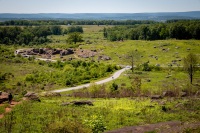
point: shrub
(96, 123)
(114, 87)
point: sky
(97, 6)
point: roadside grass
(156, 82)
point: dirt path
(162, 127)
(8, 108)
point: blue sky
(97, 6)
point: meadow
(113, 110)
(106, 114)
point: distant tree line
(73, 22)
(159, 31)
(34, 35)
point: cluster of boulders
(169, 94)
(35, 97)
(104, 57)
(32, 96)
(154, 56)
(84, 53)
(43, 51)
(66, 52)
(49, 52)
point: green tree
(190, 62)
(105, 34)
(75, 37)
(132, 57)
(56, 30)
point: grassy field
(107, 113)
(161, 52)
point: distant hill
(105, 16)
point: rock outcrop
(78, 103)
(32, 96)
(3, 97)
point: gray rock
(183, 94)
(3, 97)
(78, 103)
(32, 96)
(148, 80)
(168, 94)
(157, 65)
(156, 97)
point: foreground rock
(3, 97)
(78, 103)
(156, 97)
(32, 96)
(162, 127)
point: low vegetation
(106, 114)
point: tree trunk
(191, 74)
(132, 67)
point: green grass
(113, 113)
(118, 50)
(2, 109)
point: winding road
(114, 76)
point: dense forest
(27, 35)
(33, 35)
(73, 22)
(159, 31)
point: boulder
(41, 51)
(104, 58)
(168, 94)
(36, 50)
(3, 97)
(66, 52)
(78, 103)
(156, 97)
(183, 94)
(157, 65)
(56, 51)
(32, 96)
(148, 80)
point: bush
(114, 87)
(96, 123)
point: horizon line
(101, 12)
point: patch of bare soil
(9, 108)
(162, 127)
